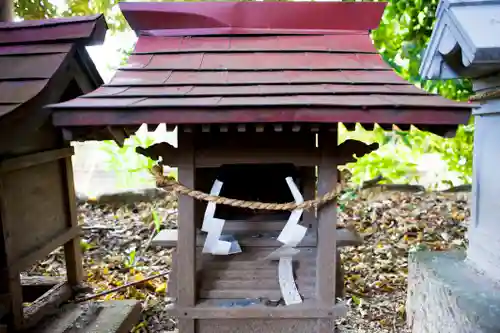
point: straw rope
(177, 188)
(485, 95)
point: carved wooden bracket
(215, 157)
(349, 148)
(118, 135)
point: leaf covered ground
(117, 250)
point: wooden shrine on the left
(45, 62)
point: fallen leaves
(116, 252)
(394, 224)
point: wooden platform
(92, 317)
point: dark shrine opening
(254, 182)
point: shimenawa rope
(177, 188)
(485, 95)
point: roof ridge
(90, 30)
(299, 16)
(30, 24)
(247, 32)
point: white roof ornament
(464, 42)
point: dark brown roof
(283, 73)
(34, 53)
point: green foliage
(34, 9)
(86, 246)
(457, 152)
(131, 168)
(126, 163)
(114, 17)
(43, 9)
(131, 259)
(400, 152)
(401, 39)
(156, 220)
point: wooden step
(345, 237)
(244, 276)
(36, 286)
(93, 317)
(212, 309)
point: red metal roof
(321, 66)
(200, 18)
(33, 52)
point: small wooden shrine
(256, 91)
(41, 62)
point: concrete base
(446, 295)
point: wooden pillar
(72, 249)
(327, 220)
(11, 294)
(6, 10)
(186, 245)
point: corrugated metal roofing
(175, 76)
(31, 52)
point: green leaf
(157, 221)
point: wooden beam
(326, 259)
(118, 135)
(44, 250)
(327, 221)
(30, 160)
(345, 237)
(6, 10)
(46, 305)
(72, 248)
(307, 310)
(11, 293)
(100, 317)
(186, 247)
(215, 157)
(36, 286)
(348, 148)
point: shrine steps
(248, 275)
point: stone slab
(93, 317)
(447, 295)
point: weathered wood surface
(290, 325)
(11, 296)
(186, 273)
(211, 309)
(47, 304)
(327, 221)
(326, 259)
(102, 317)
(169, 237)
(251, 277)
(35, 197)
(72, 248)
(32, 160)
(35, 286)
(271, 153)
